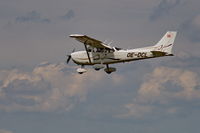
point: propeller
(69, 56)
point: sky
(40, 93)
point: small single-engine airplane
(99, 54)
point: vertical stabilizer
(166, 43)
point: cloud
(5, 131)
(162, 90)
(163, 8)
(32, 17)
(136, 110)
(69, 15)
(155, 86)
(191, 28)
(49, 87)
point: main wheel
(110, 70)
(80, 72)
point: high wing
(89, 41)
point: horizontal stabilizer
(159, 53)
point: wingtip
(76, 35)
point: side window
(89, 50)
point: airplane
(101, 55)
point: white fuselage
(100, 55)
(116, 56)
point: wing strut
(87, 52)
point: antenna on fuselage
(110, 42)
(106, 41)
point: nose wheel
(81, 70)
(109, 70)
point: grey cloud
(162, 90)
(46, 88)
(5, 131)
(191, 28)
(163, 8)
(186, 61)
(49, 87)
(33, 17)
(69, 15)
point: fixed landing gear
(81, 70)
(109, 70)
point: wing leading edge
(89, 41)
